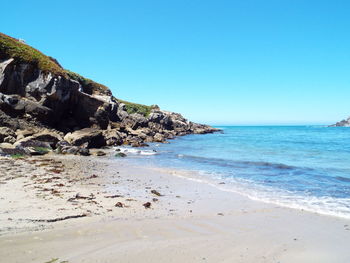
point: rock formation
(343, 123)
(38, 96)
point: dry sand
(189, 222)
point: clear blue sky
(219, 62)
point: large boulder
(122, 113)
(17, 106)
(113, 137)
(196, 128)
(46, 139)
(63, 147)
(25, 133)
(89, 110)
(159, 137)
(32, 142)
(156, 116)
(7, 121)
(139, 121)
(5, 133)
(92, 136)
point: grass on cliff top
(14, 48)
(136, 108)
(11, 47)
(85, 82)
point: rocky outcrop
(343, 123)
(53, 100)
(41, 105)
(6, 133)
(46, 139)
(92, 137)
(64, 147)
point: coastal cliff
(343, 123)
(43, 105)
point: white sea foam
(339, 207)
(136, 151)
(298, 166)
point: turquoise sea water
(306, 167)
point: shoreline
(309, 203)
(190, 221)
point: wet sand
(92, 209)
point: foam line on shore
(310, 204)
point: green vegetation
(23, 53)
(42, 150)
(17, 156)
(136, 108)
(89, 85)
(11, 47)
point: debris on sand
(147, 205)
(119, 204)
(113, 196)
(57, 219)
(78, 196)
(155, 192)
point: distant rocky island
(44, 107)
(343, 123)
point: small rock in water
(147, 205)
(100, 153)
(120, 154)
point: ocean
(303, 167)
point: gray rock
(63, 147)
(158, 137)
(100, 153)
(343, 123)
(25, 133)
(156, 116)
(139, 121)
(6, 132)
(32, 142)
(84, 151)
(92, 136)
(48, 98)
(37, 150)
(120, 154)
(113, 137)
(9, 149)
(10, 139)
(46, 138)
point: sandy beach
(60, 208)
